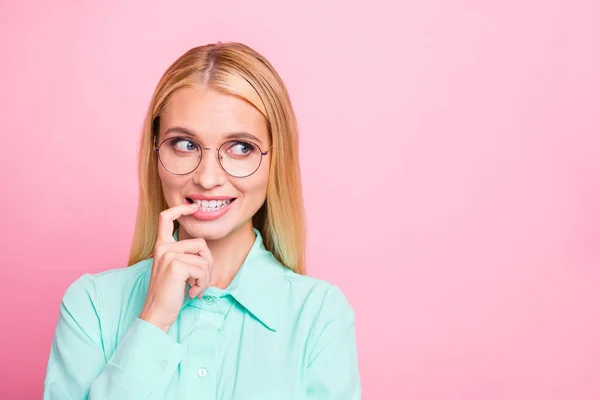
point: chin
(206, 231)
(210, 230)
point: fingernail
(195, 205)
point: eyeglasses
(182, 155)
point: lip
(211, 215)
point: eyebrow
(233, 135)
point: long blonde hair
(235, 69)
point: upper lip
(208, 198)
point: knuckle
(201, 271)
(159, 250)
(176, 266)
(168, 257)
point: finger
(195, 291)
(186, 266)
(184, 261)
(201, 282)
(166, 219)
(188, 246)
(206, 281)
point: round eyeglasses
(182, 155)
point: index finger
(166, 219)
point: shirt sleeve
(78, 367)
(333, 372)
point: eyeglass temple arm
(264, 153)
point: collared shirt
(272, 334)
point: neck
(228, 253)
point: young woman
(215, 303)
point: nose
(209, 173)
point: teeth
(212, 205)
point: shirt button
(163, 364)
(209, 300)
(202, 372)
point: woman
(215, 303)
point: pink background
(450, 156)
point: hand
(175, 264)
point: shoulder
(317, 307)
(113, 285)
(320, 302)
(324, 296)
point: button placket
(202, 357)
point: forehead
(212, 115)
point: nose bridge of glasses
(217, 154)
(203, 161)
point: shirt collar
(258, 285)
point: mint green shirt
(272, 334)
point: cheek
(263, 180)
(165, 180)
(170, 184)
(255, 189)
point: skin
(209, 253)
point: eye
(240, 149)
(184, 145)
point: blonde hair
(235, 69)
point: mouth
(211, 205)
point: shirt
(272, 334)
